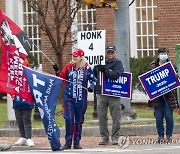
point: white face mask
(163, 57)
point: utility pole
(122, 40)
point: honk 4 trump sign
(159, 80)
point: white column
(10, 111)
(11, 10)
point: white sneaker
(29, 142)
(21, 141)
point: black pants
(23, 118)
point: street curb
(136, 130)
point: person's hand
(90, 90)
(55, 67)
(102, 68)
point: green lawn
(58, 116)
(142, 112)
(146, 112)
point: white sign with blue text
(118, 88)
(160, 80)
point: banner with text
(93, 45)
(159, 80)
(118, 88)
(45, 89)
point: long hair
(84, 62)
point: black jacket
(114, 71)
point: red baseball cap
(77, 52)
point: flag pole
(44, 54)
(53, 64)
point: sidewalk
(42, 143)
(90, 136)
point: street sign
(93, 45)
(160, 80)
(118, 88)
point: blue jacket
(114, 70)
(21, 104)
(78, 79)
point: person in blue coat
(23, 111)
(76, 75)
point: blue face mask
(163, 57)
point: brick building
(153, 23)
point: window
(145, 41)
(31, 28)
(86, 19)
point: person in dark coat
(164, 105)
(113, 70)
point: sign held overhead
(93, 45)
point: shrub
(137, 68)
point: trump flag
(15, 45)
(45, 89)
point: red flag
(14, 43)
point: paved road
(135, 149)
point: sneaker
(114, 142)
(67, 146)
(77, 146)
(160, 139)
(169, 138)
(103, 142)
(29, 142)
(21, 141)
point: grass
(142, 112)
(146, 112)
(38, 124)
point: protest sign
(160, 80)
(118, 88)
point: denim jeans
(161, 112)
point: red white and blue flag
(45, 89)
(15, 45)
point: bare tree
(55, 18)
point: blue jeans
(161, 112)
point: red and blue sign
(160, 80)
(118, 88)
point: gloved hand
(90, 90)
(102, 68)
(55, 67)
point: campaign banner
(118, 88)
(45, 89)
(160, 80)
(14, 44)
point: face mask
(163, 57)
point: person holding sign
(112, 69)
(76, 74)
(163, 105)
